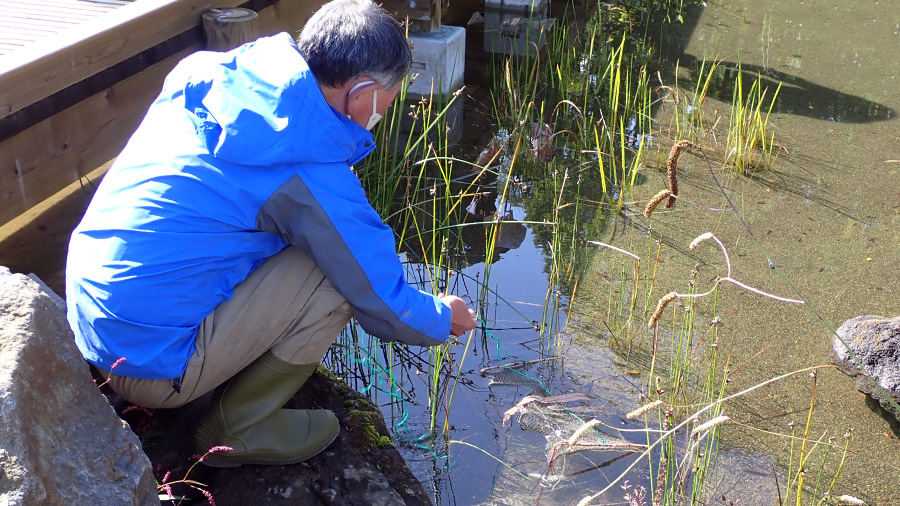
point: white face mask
(375, 117)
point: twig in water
(709, 235)
(673, 295)
(751, 359)
(777, 487)
(620, 250)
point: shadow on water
(797, 96)
(806, 188)
(891, 421)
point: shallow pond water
(827, 216)
(823, 224)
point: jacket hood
(259, 104)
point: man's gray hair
(347, 39)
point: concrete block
(439, 60)
(518, 27)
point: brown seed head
(672, 167)
(651, 206)
(663, 302)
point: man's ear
(359, 100)
(361, 86)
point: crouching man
(231, 242)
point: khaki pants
(287, 305)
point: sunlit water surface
(824, 226)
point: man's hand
(463, 317)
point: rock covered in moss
(875, 340)
(361, 467)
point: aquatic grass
(688, 114)
(682, 389)
(599, 119)
(750, 144)
(690, 376)
(413, 185)
(803, 466)
(681, 444)
(597, 125)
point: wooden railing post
(227, 29)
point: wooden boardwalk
(76, 77)
(24, 22)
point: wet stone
(876, 342)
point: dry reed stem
(643, 410)
(646, 453)
(651, 206)
(672, 168)
(700, 238)
(620, 250)
(580, 432)
(700, 429)
(663, 302)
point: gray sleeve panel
(294, 212)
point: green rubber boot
(246, 414)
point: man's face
(367, 102)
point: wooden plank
(48, 17)
(41, 69)
(37, 240)
(14, 20)
(65, 6)
(41, 13)
(25, 28)
(41, 160)
(15, 41)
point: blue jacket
(239, 157)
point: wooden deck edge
(49, 155)
(94, 46)
(37, 240)
(84, 185)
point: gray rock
(60, 441)
(876, 342)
